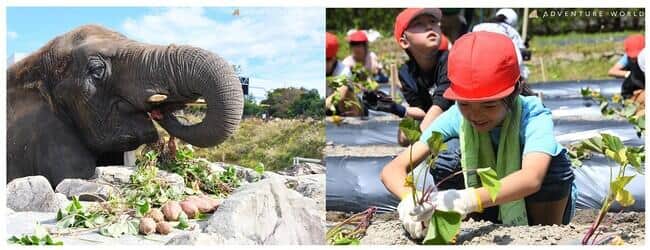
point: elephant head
(108, 86)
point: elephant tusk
(157, 98)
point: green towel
(477, 152)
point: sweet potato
(171, 210)
(163, 228)
(147, 226)
(189, 208)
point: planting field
(354, 164)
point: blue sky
(276, 47)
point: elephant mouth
(159, 111)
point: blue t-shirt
(535, 133)
(623, 61)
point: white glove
(462, 201)
(417, 229)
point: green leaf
(14, 240)
(436, 143)
(612, 142)
(34, 240)
(51, 242)
(182, 222)
(201, 216)
(123, 227)
(346, 241)
(26, 240)
(66, 222)
(445, 225)
(636, 157)
(621, 195)
(143, 208)
(490, 181)
(594, 144)
(411, 129)
(259, 168)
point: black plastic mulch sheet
(353, 183)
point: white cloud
(12, 35)
(283, 45)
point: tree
(251, 108)
(294, 102)
(310, 104)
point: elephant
(91, 94)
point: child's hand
(462, 201)
(417, 229)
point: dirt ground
(386, 229)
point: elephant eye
(96, 69)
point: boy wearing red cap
(361, 54)
(628, 68)
(498, 128)
(424, 76)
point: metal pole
(524, 28)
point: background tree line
(287, 103)
(382, 19)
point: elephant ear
(44, 67)
(26, 73)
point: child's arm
(394, 174)
(515, 186)
(521, 183)
(431, 115)
(617, 70)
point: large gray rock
(81, 188)
(120, 175)
(312, 186)
(304, 168)
(33, 193)
(268, 213)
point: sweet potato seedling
(351, 230)
(443, 226)
(625, 156)
(617, 107)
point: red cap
(404, 18)
(482, 66)
(331, 45)
(444, 43)
(633, 45)
(358, 37)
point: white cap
(511, 16)
(641, 60)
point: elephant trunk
(200, 73)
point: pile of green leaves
(625, 156)
(351, 230)
(39, 238)
(444, 226)
(146, 187)
(76, 215)
(197, 174)
(617, 107)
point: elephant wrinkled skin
(91, 94)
